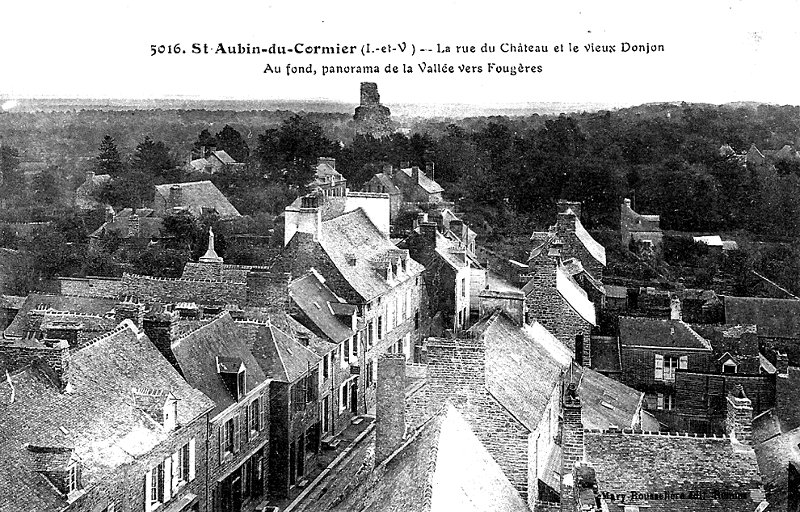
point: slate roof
(625, 462)
(774, 456)
(654, 332)
(88, 305)
(330, 207)
(224, 157)
(523, 366)
(442, 467)
(199, 195)
(429, 185)
(354, 234)
(320, 305)
(606, 402)
(96, 417)
(197, 353)
(605, 355)
(774, 317)
(450, 252)
(149, 226)
(280, 356)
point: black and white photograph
(414, 257)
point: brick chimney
(161, 327)
(390, 421)
(571, 445)
(675, 308)
(739, 422)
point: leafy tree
(151, 158)
(47, 187)
(108, 159)
(11, 178)
(205, 141)
(289, 153)
(232, 142)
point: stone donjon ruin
(371, 117)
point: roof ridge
(211, 321)
(699, 338)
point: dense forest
(685, 162)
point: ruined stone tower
(371, 117)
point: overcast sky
(715, 51)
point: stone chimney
(175, 196)
(739, 423)
(131, 309)
(388, 169)
(782, 364)
(430, 169)
(390, 397)
(110, 214)
(133, 226)
(675, 308)
(626, 203)
(565, 223)
(161, 327)
(89, 178)
(571, 445)
(563, 205)
(415, 174)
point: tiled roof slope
(89, 305)
(774, 317)
(606, 402)
(597, 251)
(443, 467)
(385, 181)
(774, 456)
(315, 300)
(197, 195)
(645, 463)
(197, 352)
(654, 332)
(353, 234)
(574, 295)
(96, 417)
(280, 356)
(429, 185)
(523, 366)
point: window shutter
(659, 373)
(191, 459)
(262, 422)
(683, 362)
(221, 432)
(176, 469)
(167, 479)
(245, 425)
(236, 434)
(148, 485)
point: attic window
(351, 259)
(73, 482)
(729, 367)
(234, 375)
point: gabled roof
(280, 356)
(224, 157)
(594, 248)
(385, 181)
(429, 185)
(652, 464)
(575, 296)
(353, 234)
(523, 366)
(450, 252)
(63, 303)
(199, 195)
(774, 317)
(199, 352)
(96, 416)
(655, 332)
(321, 306)
(442, 467)
(606, 402)
(149, 226)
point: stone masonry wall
(148, 288)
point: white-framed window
(407, 346)
(670, 365)
(72, 478)
(665, 402)
(683, 362)
(354, 348)
(729, 367)
(343, 396)
(659, 367)
(154, 487)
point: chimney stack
(739, 424)
(626, 202)
(133, 225)
(415, 174)
(390, 420)
(175, 196)
(571, 444)
(510, 302)
(129, 309)
(388, 169)
(430, 169)
(782, 364)
(675, 308)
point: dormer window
(73, 482)
(160, 405)
(170, 414)
(60, 465)
(234, 374)
(729, 367)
